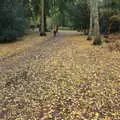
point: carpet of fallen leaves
(20, 45)
(61, 78)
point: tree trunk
(91, 22)
(42, 25)
(97, 36)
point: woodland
(59, 59)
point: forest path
(63, 77)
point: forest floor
(59, 78)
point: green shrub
(114, 24)
(12, 20)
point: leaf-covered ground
(20, 45)
(62, 78)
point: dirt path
(61, 78)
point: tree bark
(91, 22)
(42, 25)
(97, 36)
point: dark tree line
(12, 19)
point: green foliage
(70, 13)
(12, 19)
(78, 13)
(115, 23)
(108, 9)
